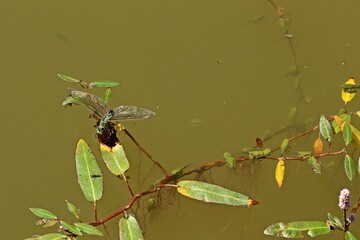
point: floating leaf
(318, 146)
(347, 133)
(72, 209)
(229, 159)
(68, 78)
(347, 96)
(71, 228)
(86, 168)
(315, 164)
(325, 128)
(349, 236)
(104, 84)
(349, 167)
(207, 192)
(275, 229)
(129, 229)
(279, 172)
(335, 221)
(284, 146)
(89, 229)
(43, 213)
(107, 95)
(115, 159)
(50, 236)
(295, 229)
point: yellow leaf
(339, 121)
(346, 97)
(356, 135)
(279, 172)
(318, 146)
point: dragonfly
(100, 111)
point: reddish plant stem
(356, 206)
(130, 203)
(166, 173)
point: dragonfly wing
(129, 112)
(92, 102)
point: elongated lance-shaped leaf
(347, 133)
(349, 166)
(73, 209)
(207, 192)
(107, 95)
(43, 213)
(129, 229)
(315, 165)
(279, 172)
(284, 146)
(71, 228)
(335, 221)
(104, 84)
(68, 78)
(50, 236)
(295, 229)
(275, 229)
(325, 128)
(115, 158)
(349, 236)
(89, 173)
(88, 229)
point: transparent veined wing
(92, 102)
(129, 112)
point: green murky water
(215, 78)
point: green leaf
(71, 228)
(68, 78)
(349, 167)
(212, 193)
(115, 159)
(295, 229)
(50, 236)
(284, 146)
(335, 221)
(349, 236)
(43, 213)
(347, 133)
(315, 164)
(259, 154)
(107, 95)
(325, 128)
(282, 25)
(72, 209)
(305, 155)
(89, 229)
(87, 168)
(129, 229)
(229, 159)
(104, 84)
(275, 229)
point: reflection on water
(191, 57)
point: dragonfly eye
(111, 113)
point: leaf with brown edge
(318, 146)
